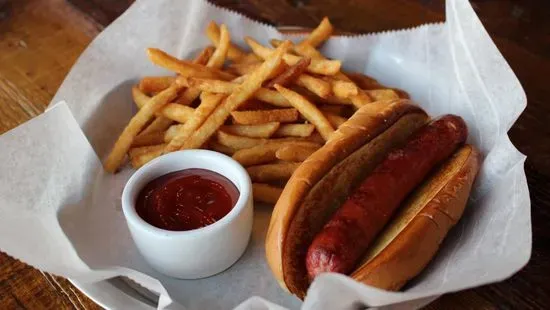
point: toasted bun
(410, 241)
(364, 126)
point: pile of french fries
(269, 108)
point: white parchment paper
(61, 213)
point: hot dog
(355, 224)
(333, 213)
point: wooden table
(41, 39)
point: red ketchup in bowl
(186, 199)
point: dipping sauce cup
(195, 253)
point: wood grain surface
(41, 39)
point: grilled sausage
(344, 239)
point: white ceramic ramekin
(197, 253)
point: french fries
(319, 34)
(315, 85)
(294, 130)
(183, 67)
(343, 89)
(154, 84)
(268, 108)
(173, 111)
(124, 141)
(317, 66)
(218, 58)
(242, 93)
(272, 172)
(265, 151)
(295, 152)
(213, 33)
(141, 156)
(265, 116)
(223, 87)
(260, 154)
(266, 193)
(265, 130)
(382, 94)
(148, 139)
(335, 120)
(291, 74)
(204, 55)
(160, 123)
(215, 146)
(309, 111)
(208, 104)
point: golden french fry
(265, 152)
(188, 96)
(204, 55)
(184, 67)
(243, 68)
(135, 125)
(309, 111)
(315, 85)
(220, 148)
(306, 50)
(223, 87)
(238, 142)
(272, 97)
(173, 111)
(291, 74)
(294, 130)
(360, 99)
(160, 123)
(177, 112)
(295, 152)
(252, 131)
(335, 120)
(255, 104)
(272, 172)
(240, 95)
(320, 34)
(364, 81)
(213, 33)
(343, 89)
(172, 132)
(266, 193)
(260, 154)
(216, 61)
(382, 94)
(240, 79)
(248, 67)
(218, 58)
(139, 159)
(208, 104)
(318, 66)
(148, 139)
(248, 58)
(265, 116)
(136, 151)
(154, 84)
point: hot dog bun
(325, 180)
(360, 132)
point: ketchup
(186, 199)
